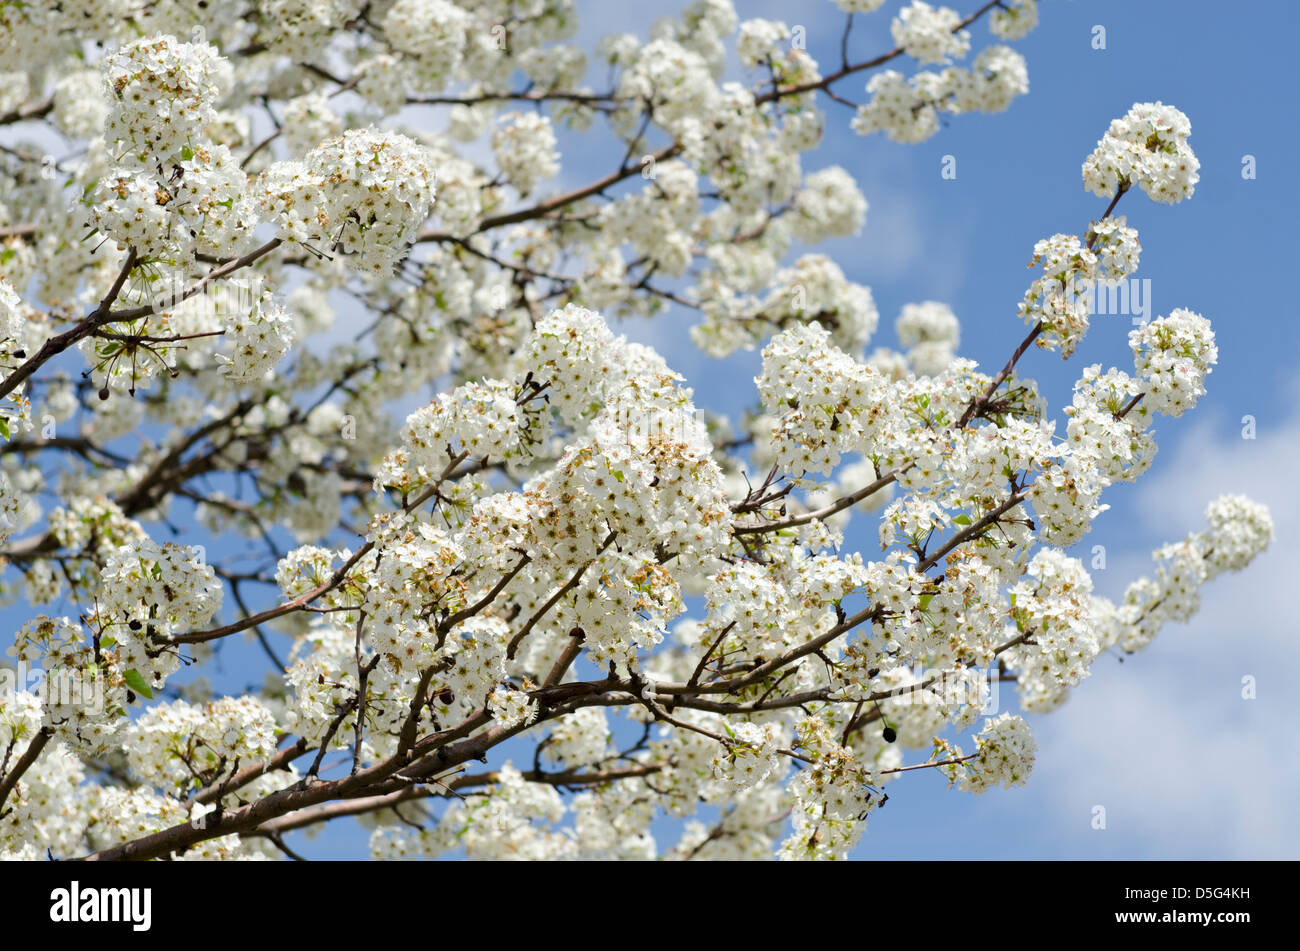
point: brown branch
(825, 82)
(23, 113)
(544, 208)
(10, 779)
(60, 342)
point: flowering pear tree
(245, 241)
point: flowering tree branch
(358, 376)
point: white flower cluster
(1075, 273)
(641, 466)
(432, 33)
(996, 77)
(660, 220)
(95, 525)
(1059, 299)
(136, 213)
(173, 191)
(204, 210)
(625, 606)
(364, 194)
(579, 738)
(570, 349)
(908, 110)
(511, 823)
(814, 289)
(479, 648)
(258, 337)
(1051, 607)
(177, 746)
(812, 384)
(1013, 19)
(481, 419)
(321, 677)
(750, 757)
(524, 145)
(1239, 530)
(831, 797)
(676, 80)
(931, 333)
(1173, 355)
(929, 34)
(305, 569)
(1122, 448)
(16, 331)
(412, 571)
(760, 41)
(304, 27)
(149, 592)
(1148, 148)
(17, 89)
(80, 105)
(1065, 496)
(829, 204)
(163, 96)
(46, 806)
(1006, 749)
(511, 708)
(771, 608)
(121, 815)
(307, 122)
(82, 691)
(1116, 247)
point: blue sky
(1184, 767)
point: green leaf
(138, 684)
(618, 475)
(961, 520)
(187, 153)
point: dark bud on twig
(889, 734)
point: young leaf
(138, 683)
